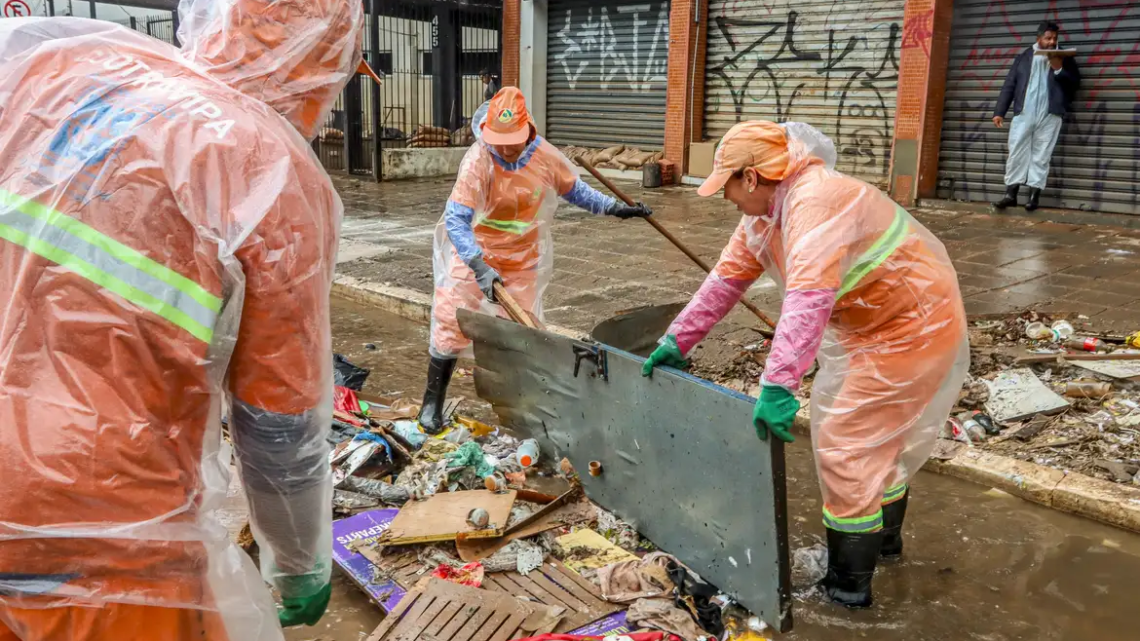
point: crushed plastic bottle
(986, 422)
(1088, 389)
(1090, 344)
(527, 454)
(972, 427)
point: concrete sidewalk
(602, 265)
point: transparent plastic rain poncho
(168, 245)
(500, 212)
(871, 294)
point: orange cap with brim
(366, 69)
(756, 143)
(508, 121)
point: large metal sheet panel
(834, 65)
(1096, 165)
(680, 459)
(606, 72)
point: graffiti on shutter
(832, 65)
(606, 67)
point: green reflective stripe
(112, 247)
(894, 493)
(106, 281)
(854, 524)
(509, 226)
(877, 253)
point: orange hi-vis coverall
(873, 295)
(501, 211)
(167, 245)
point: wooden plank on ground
(443, 517)
(563, 511)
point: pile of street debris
(1060, 394)
(1049, 390)
(472, 533)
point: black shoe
(851, 560)
(439, 375)
(893, 515)
(1009, 199)
(1034, 197)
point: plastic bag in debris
(470, 455)
(868, 292)
(170, 247)
(410, 431)
(809, 565)
(345, 374)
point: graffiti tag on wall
(837, 72)
(593, 52)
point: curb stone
(406, 303)
(1110, 503)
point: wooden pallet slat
(443, 611)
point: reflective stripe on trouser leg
(109, 264)
(856, 524)
(895, 493)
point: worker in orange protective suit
(496, 228)
(867, 290)
(168, 243)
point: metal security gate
(1096, 165)
(606, 68)
(833, 65)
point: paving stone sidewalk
(602, 265)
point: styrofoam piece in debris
(1018, 394)
(1113, 369)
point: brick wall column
(685, 91)
(510, 54)
(921, 94)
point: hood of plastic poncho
(294, 55)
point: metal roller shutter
(833, 65)
(1096, 165)
(606, 73)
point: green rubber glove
(667, 353)
(776, 410)
(304, 610)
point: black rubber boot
(1034, 198)
(851, 560)
(1009, 199)
(439, 375)
(893, 515)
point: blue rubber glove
(486, 277)
(667, 353)
(776, 411)
(304, 610)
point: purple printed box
(608, 626)
(387, 593)
(365, 526)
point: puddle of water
(978, 564)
